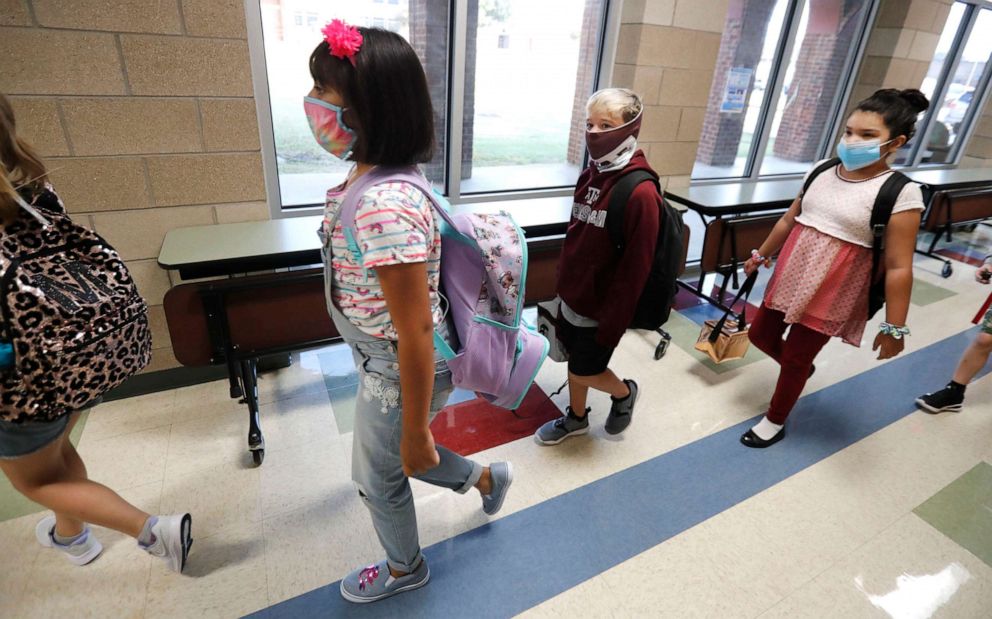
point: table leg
(249, 378)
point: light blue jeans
(376, 467)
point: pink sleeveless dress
(821, 282)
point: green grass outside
(298, 153)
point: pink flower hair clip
(344, 40)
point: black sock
(957, 386)
(571, 412)
(629, 393)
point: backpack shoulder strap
(881, 212)
(377, 176)
(619, 196)
(823, 167)
(349, 205)
(885, 201)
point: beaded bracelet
(757, 257)
(893, 331)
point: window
(958, 75)
(517, 124)
(305, 170)
(514, 142)
(780, 79)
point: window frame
(610, 19)
(787, 43)
(956, 54)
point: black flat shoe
(750, 439)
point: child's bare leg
(974, 359)
(51, 477)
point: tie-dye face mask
(327, 125)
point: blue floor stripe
(513, 564)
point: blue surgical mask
(857, 155)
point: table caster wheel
(662, 347)
(257, 456)
(947, 271)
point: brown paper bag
(726, 339)
(730, 342)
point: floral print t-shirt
(394, 225)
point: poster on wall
(735, 94)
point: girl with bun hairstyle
(820, 286)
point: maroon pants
(795, 356)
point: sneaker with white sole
(171, 540)
(83, 550)
(557, 430)
(502, 476)
(374, 583)
(622, 410)
(947, 400)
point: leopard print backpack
(71, 310)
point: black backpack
(655, 303)
(881, 212)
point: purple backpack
(483, 274)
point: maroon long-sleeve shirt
(593, 279)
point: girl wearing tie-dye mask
(370, 105)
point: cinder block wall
(901, 46)
(143, 110)
(667, 52)
(978, 153)
(900, 50)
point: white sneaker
(172, 540)
(82, 551)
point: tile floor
(893, 525)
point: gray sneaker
(80, 552)
(374, 583)
(172, 540)
(502, 474)
(557, 430)
(622, 410)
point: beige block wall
(900, 49)
(901, 46)
(978, 150)
(144, 113)
(667, 53)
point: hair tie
(343, 40)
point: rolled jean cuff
(473, 478)
(404, 567)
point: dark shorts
(23, 439)
(585, 356)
